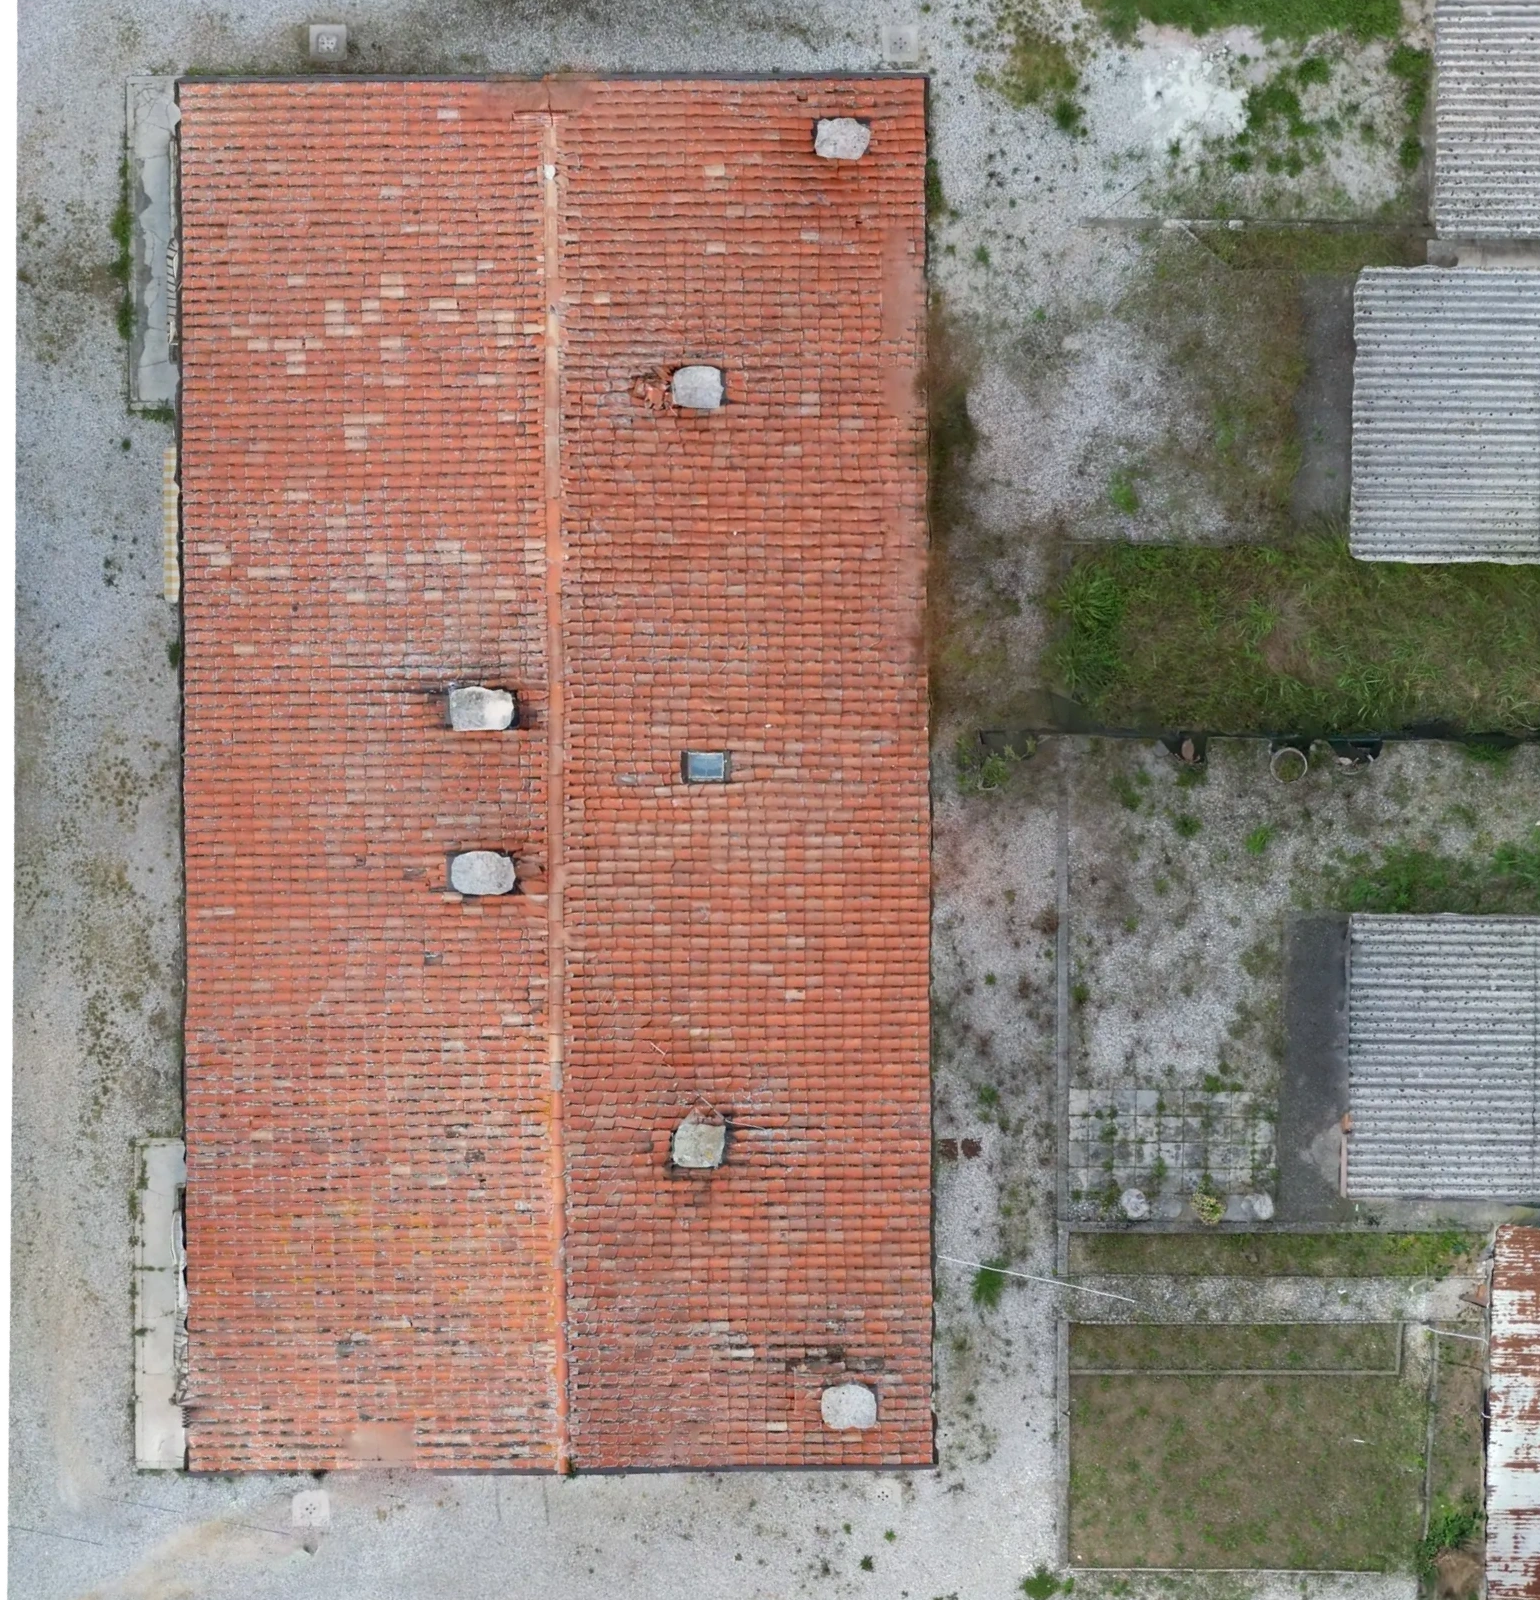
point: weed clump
(1043, 1585)
(989, 1285)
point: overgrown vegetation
(1254, 638)
(1038, 70)
(1270, 1255)
(1451, 1526)
(1415, 70)
(122, 228)
(1276, 19)
(1412, 879)
(1344, 250)
(980, 771)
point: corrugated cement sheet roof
(1446, 415)
(1444, 1057)
(1487, 111)
(1513, 1442)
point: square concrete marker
(849, 1405)
(311, 1508)
(900, 44)
(328, 41)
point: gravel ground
(97, 1050)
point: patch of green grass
(1408, 879)
(158, 413)
(1126, 791)
(1235, 1472)
(988, 1285)
(935, 195)
(1237, 1347)
(1037, 69)
(1258, 839)
(1316, 250)
(122, 230)
(1187, 825)
(1122, 493)
(1271, 1255)
(1169, 636)
(981, 254)
(1276, 19)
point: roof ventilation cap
(698, 388)
(699, 1144)
(473, 709)
(849, 1405)
(841, 138)
(482, 872)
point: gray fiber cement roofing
(1444, 1057)
(1487, 119)
(1446, 415)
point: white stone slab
(841, 138)
(699, 1144)
(482, 872)
(698, 388)
(849, 1405)
(473, 709)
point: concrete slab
(153, 373)
(1315, 1074)
(160, 1301)
(1323, 405)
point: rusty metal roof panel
(1446, 415)
(1513, 1442)
(1444, 1057)
(1487, 119)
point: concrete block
(698, 388)
(153, 372)
(841, 138)
(473, 709)
(482, 872)
(160, 1306)
(849, 1406)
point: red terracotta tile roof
(431, 1213)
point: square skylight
(707, 766)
